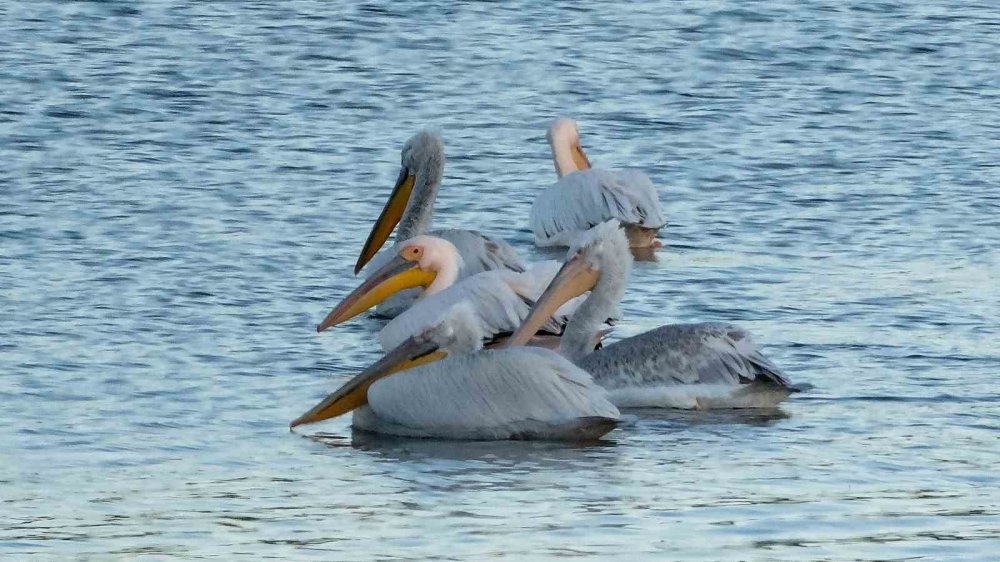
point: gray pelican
(501, 299)
(440, 383)
(411, 205)
(584, 197)
(692, 366)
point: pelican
(501, 299)
(584, 197)
(691, 366)
(440, 383)
(411, 205)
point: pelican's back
(584, 198)
(495, 296)
(705, 365)
(516, 393)
(498, 308)
(479, 253)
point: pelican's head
(423, 151)
(455, 330)
(421, 164)
(605, 246)
(598, 261)
(422, 261)
(564, 140)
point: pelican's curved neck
(562, 156)
(417, 217)
(580, 336)
(447, 275)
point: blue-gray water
(186, 187)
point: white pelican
(707, 365)
(444, 385)
(411, 205)
(501, 299)
(584, 197)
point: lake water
(185, 188)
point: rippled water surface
(185, 187)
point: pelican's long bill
(576, 277)
(393, 277)
(354, 393)
(389, 218)
(579, 158)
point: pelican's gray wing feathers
(494, 394)
(683, 354)
(498, 305)
(585, 198)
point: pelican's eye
(412, 253)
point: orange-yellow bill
(577, 276)
(388, 219)
(354, 393)
(579, 158)
(395, 276)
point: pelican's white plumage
(511, 393)
(422, 165)
(499, 309)
(584, 197)
(514, 393)
(500, 299)
(705, 365)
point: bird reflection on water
(552, 453)
(632, 418)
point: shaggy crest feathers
(608, 236)
(425, 146)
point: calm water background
(185, 189)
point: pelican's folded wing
(496, 394)
(583, 199)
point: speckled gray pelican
(585, 196)
(440, 383)
(691, 366)
(411, 206)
